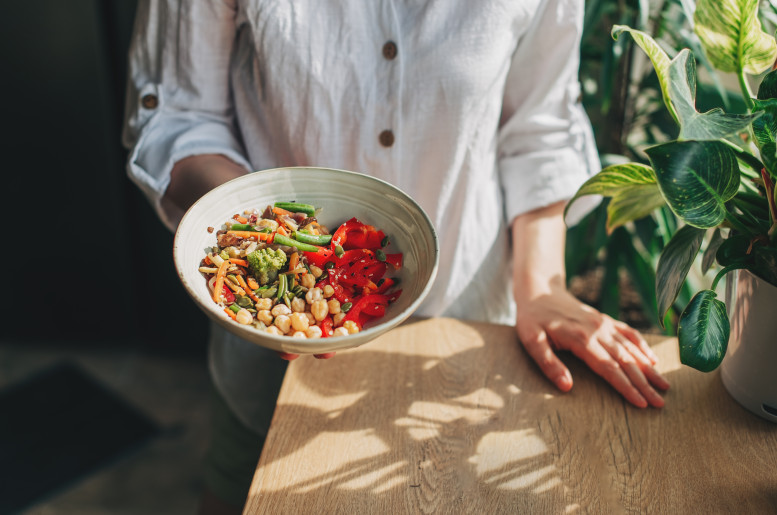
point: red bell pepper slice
(365, 303)
(227, 294)
(321, 257)
(387, 283)
(354, 234)
(340, 293)
(326, 327)
(394, 260)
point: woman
(472, 108)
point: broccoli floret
(265, 264)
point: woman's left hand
(557, 321)
(551, 319)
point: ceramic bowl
(340, 195)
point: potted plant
(718, 179)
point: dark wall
(86, 258)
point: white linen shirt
(481, 97)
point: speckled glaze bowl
(340, 195)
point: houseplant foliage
(717, 176)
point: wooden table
(443, 416)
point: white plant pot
(749, 369)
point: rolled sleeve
(178, 98)
(546, 148)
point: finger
(617, 347)
(287, 356)
(600, 361)
(653, 376)
(326, 355)
(539, 349)
(636, 337)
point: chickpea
(328, 291)
(351, 327)
(283, 322)
(311, 319)
(338, 318)
(319, 309)
(340, 331)
(307, 280)
(298, 305)
(299, 322)
(299, 334)
(264, 304)
(281, 309)
(273, 330)
(316, 271)
(244, 317)
(314, 332)
(264, 316)
(313, 295)
(334, 306)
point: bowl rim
(336, 342)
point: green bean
(234, 307)
(304, 247)
(313, 239)
(281, 287)
(243, 227)
(339, 251)
(296, 207)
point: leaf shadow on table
(458, 424)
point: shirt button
(390, 50)
(149, 101)
(386, 138)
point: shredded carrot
(252, 284)
(248, 291)
(231, 313)
(281, 230)
(239, 262)
(219, 284)
(241, 219)
(293, 261)
(280, 211)
(261, 236)
(233, 286)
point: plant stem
(729, 268)
(746, 93)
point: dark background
(86, 260)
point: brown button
(149, 101)
(390, 50)
(386, 138)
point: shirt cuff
(169, 137)
(540, 179)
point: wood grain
(444, 416)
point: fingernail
(564, 382)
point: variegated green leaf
(765, 128)
(657, 56)
(696, 178)
(673, 265)
(703, 332)
(632, 187)
(712, 125)
(716, 240)
(731, 35)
